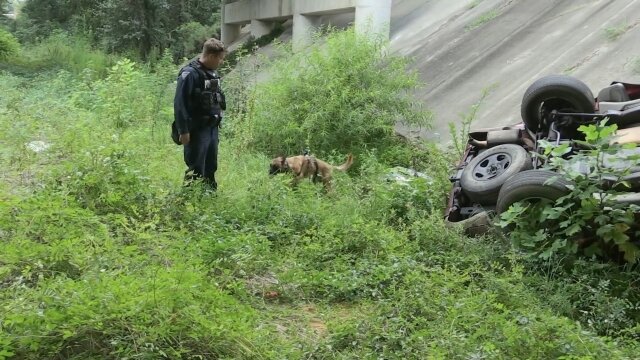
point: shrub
(9, 45)
(588, 218)
(345, 95)
(442, 313)
(602, 297)
(111, 314)
(61, 50)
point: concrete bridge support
(229, 32)
(372, 17)
(303, 28)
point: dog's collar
(285, 164)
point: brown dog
(305, 166)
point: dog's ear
(278, 165)
(281, 158)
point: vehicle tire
(483, 177)
(554, 92)
(532, 185)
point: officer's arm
(182, 103)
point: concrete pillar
(228, 32)
(373, 17)
(260, 28)
(303, 29)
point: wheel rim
(491, 167)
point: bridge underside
(371, 16)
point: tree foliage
(9, 46)
(140, 26)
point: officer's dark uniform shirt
(198, 106)
(189, 107)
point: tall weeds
(103, 255)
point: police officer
(198, 106)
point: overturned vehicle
(501, 166)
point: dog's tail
(346, 165)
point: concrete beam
(372, 17)
(228, 32)
(273, 9)
(243, 11)
(314, 7)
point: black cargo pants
(201, 156)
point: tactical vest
(208, 98)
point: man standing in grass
(197, 107)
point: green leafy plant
(9, 45)
(344, 94)
(60, 50)
(588, 218)
(459, 136)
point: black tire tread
(554, 86)
(531, 184)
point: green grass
(473, 4)
(105, 256)
(613, 33)
(482, 19)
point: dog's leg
(299, 177)
(295, 181)
(327, 184)
(304, 171)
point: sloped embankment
(462, 48)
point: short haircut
(213, 46)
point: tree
(123, 25)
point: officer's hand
(185, 138)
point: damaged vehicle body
(500, 166)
